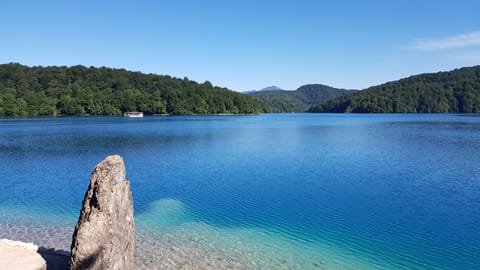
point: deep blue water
(399, 191)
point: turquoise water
(283, 191)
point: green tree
(80, 90)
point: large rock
(104, 235)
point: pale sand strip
(15, 255)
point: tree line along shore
(80, 91)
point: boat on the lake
(133, 114)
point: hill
(78, 90)
(300, 100)
(456, 91)
(269, 88)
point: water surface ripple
(282, 191)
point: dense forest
(300, 100)
(453, 91)
(78, 90)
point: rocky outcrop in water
(104, 235)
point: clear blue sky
(247, 44)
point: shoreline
(18, 255)
(168, 237)
(196, 245)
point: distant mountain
(452, 91)
(300, 100)
(269, 88)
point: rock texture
(15, 255)
(104, 235)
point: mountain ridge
(455, 91)
(265, 89)
(299, 100)
(271, 88)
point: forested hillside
(300, 100)
(453, 91)
(78, 90)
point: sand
(19, 255)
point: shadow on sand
(56, 259)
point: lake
(272, 191)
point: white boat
(133, 114)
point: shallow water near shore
(286, 191)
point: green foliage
(78, 90)
(301, 100)
(443, 92)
